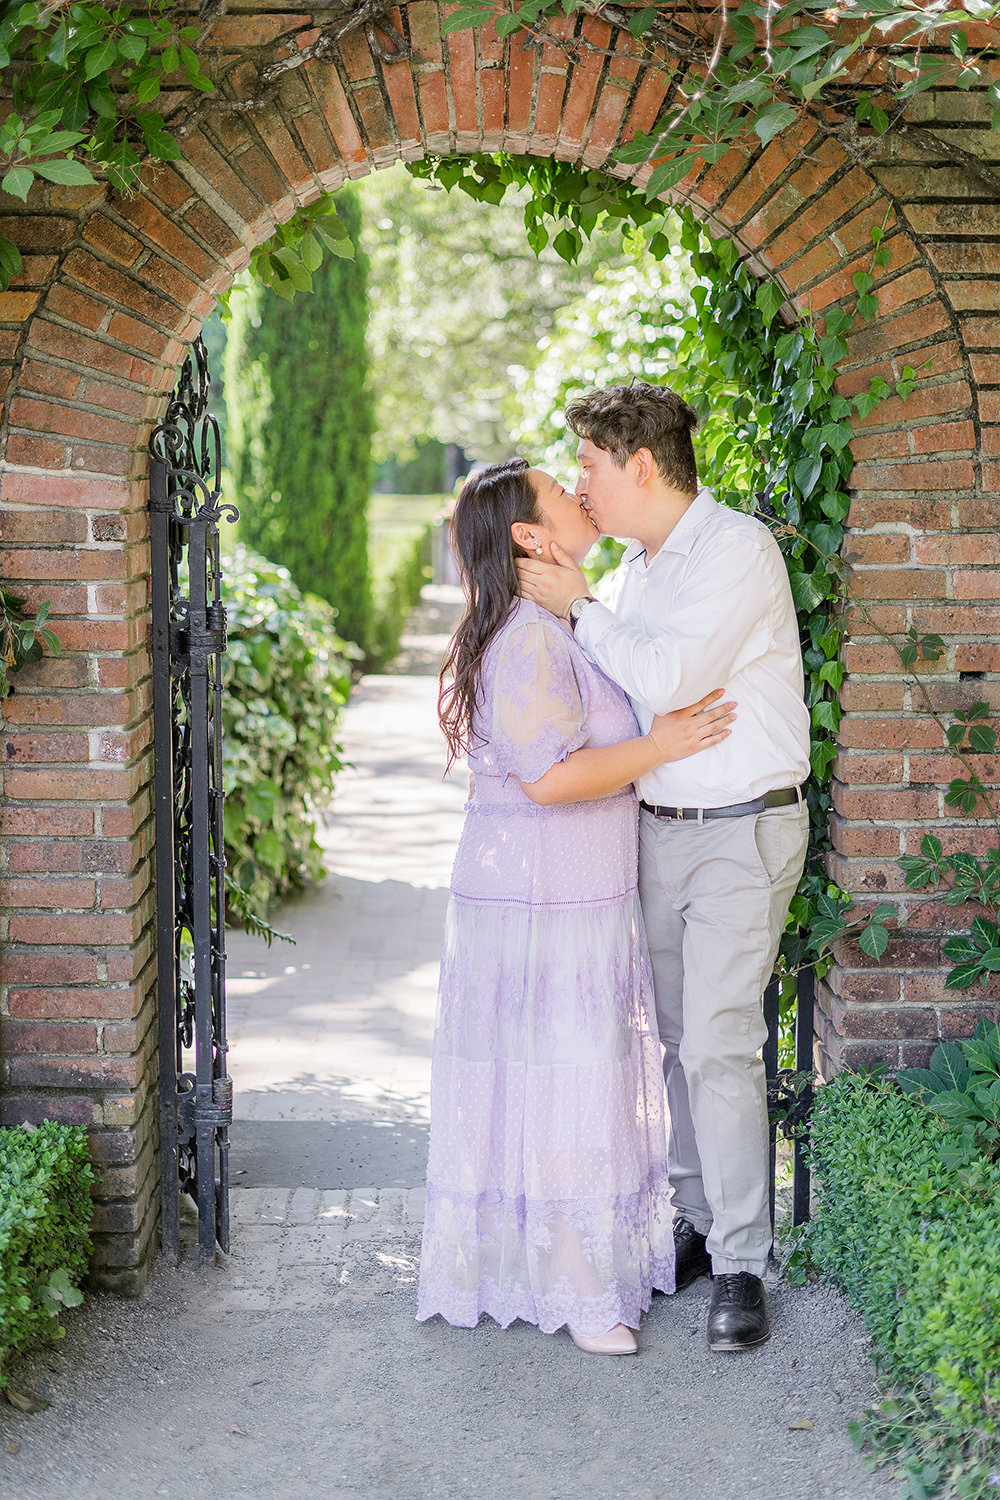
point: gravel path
(297, 1367)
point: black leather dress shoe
(690, 1256)
(738, 1316)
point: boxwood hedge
(45, 1209)
(915, 1245)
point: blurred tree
(300, 420)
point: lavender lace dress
(546, 1184)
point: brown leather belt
(785, 797)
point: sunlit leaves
(81, 100)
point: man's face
(604, 489)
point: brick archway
(91, 335)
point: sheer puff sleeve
(539, 713)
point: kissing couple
(636, 830)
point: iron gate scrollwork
(189, 640)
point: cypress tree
(300, 429)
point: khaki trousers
(715, 898)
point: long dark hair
(490, 502)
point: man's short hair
(621, 419)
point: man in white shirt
(702, 601)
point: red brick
(77, 348)
(773, 161)
(433, 89)
(897, 333)
(582, 91)
(49, 380)
(894, 1023)
(462, 62)
(960, 1021)
(910, 733)
(980, 583)
(899, 583)
(425, 32)
(38, 453)
(72, 1072)
(102, 855)
(967, 547)
(548, 107)
(76, 307)
(108, 237)
(336, 113)
(403, 103)
(88, 929)
(886, 803)
(42, 527)
(69, 420)
(54, 894)
(45, 747)
(492, 100)
(36, 1037)
(948, 474)
(869, 770)
(37, 231)
(48, 968)
(65, 1110)
(980, 332)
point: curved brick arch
(92, 332)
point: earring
(538, 550)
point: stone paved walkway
(296, 1367)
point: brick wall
(90, 337)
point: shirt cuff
(594, 623)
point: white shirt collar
(681, 539)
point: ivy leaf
(773, 120)
(769, 298)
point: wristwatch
(577, 608)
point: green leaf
(774, 119)
(930, 847)
(874, 940)
(949, 1064)
(641, 21)
(17, 181)
(982, 739)
(769, 298)
(99, 59)
(667, 175)
(920, 1081)
(462, 20)
(68, 172)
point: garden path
(297, 1365)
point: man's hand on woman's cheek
(553, 585)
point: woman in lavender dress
(546, 1185)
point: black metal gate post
(189, 639)
(789, 1091)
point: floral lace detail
(590, 1265)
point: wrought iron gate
(189, 639)
(790, 1090)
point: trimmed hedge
(399, 555)
(287, 678)
(45, 1211)
(915, 1245)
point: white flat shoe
(618, 1340)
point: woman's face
(563, 519)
